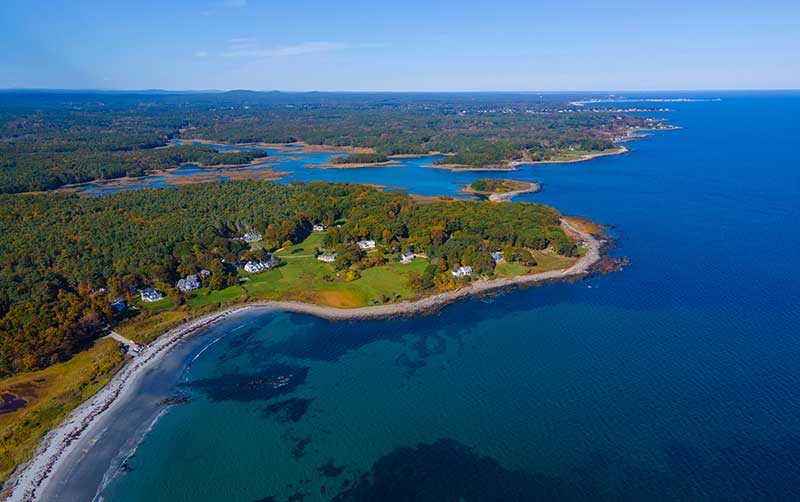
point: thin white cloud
(200, 54)
(294, 50)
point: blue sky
(410, 45)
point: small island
(356, 160)
(500, 190)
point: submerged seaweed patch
(300, 447)
(447, 470)
(251, 387)
(330, 470)
(288, 410)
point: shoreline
(304, 147)
(354, 165)
(514, 165)
(29, 481)
(454, 168)
(621, 149)
(169, 178)
(307, 148)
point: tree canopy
(60, 249)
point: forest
(48, 140)
(66, 256)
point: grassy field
(307, 247)
(159, 306)
(302, 277)
(544, 263)
(47, 396)
(550, 261)
(205, 296)
(509, 269)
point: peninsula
(148, 261)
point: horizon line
(75, 90)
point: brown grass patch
(329, 298)
(586, 225)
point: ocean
(677, 378)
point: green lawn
(550, 261)
(307, 247)
(205, 296)
(507, 269)
(302, 277)
(161, 305)
(544, 263)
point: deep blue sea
(677, 378)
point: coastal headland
(54, 458)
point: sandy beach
(60, 447)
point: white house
(255, 267)
(406, 258)
(462, 272)
(327, 257)
(497, 256)
(118, 304)
(366, 244)
(250, 237)
(319, 227)
(190, 283)
(150, 295)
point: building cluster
(327, 257)
(319, 227)
(366, 244)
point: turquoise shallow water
(675, 379)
